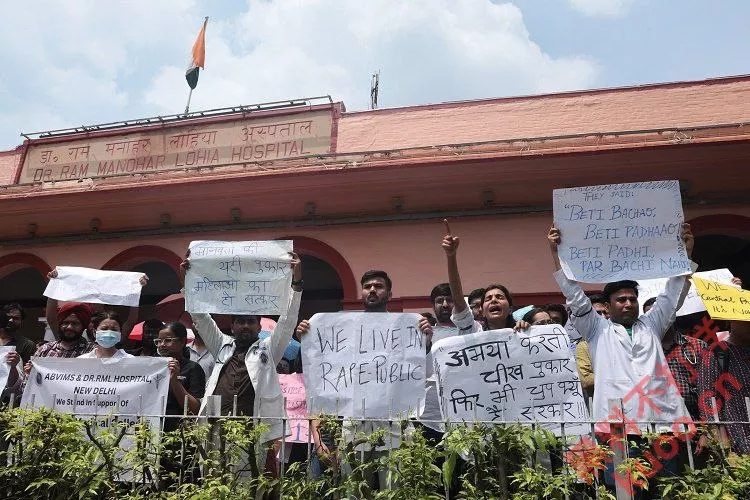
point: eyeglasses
(167, 340)
(543, 322)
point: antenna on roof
(374, 90)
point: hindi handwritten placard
(119, 288)
(364, 364)
(239, 277)
(692, 303)
(621, 231)
(293, 389)
(502, 375)
(723, 301)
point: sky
(83, 62)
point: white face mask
(108, 338)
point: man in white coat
(626, 353)
(246, 365)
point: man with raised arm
(626, 353)
(246, 365)
(626, 349)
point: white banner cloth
(81, 284)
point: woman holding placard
(187, 380)
(187, 384)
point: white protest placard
(293, 389)
(621, 231)
(511, 376)
(362, 364)
(81, 284)
(4, 366)
(239, 277)
(117, 389)
(652, 288)
(111, 391)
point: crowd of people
(654, 364)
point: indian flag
(199, 57)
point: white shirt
(203, 358)
(634, 370)
(119, 353)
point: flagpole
(187, 106)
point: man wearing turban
(72, 318)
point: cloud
(426, 50)
(85, 61)
(602, 8)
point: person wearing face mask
(108, 334)
(54, 323)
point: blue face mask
(107, 338)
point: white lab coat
(636, 370)
(261, 360)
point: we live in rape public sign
(369, 365)
(239, 277)
(110, 390)
(503, 375)
(723, 301)
(621, 231)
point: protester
(149, 333)
(376, 292)
(246, 365)
(10, 335)
(201, 355)
(537, 316)
(71, 319)
(475, 304)
(732, 373)
(600, 304)
(12, 384)
(52, 307)
(558, 313)
(108, 336)
(187, 381)
(626, 349)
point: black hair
(97, 318)
(619, 285)
(599, 298)
(153, 324)
(529, 316)
(558, 308)
(477, 293)
(375, 273)
(509, 322)
(649, 302)
(3, 321)
(235, 317)
(443, 289)
(7, 308)
(179, 331)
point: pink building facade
(368, 190)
